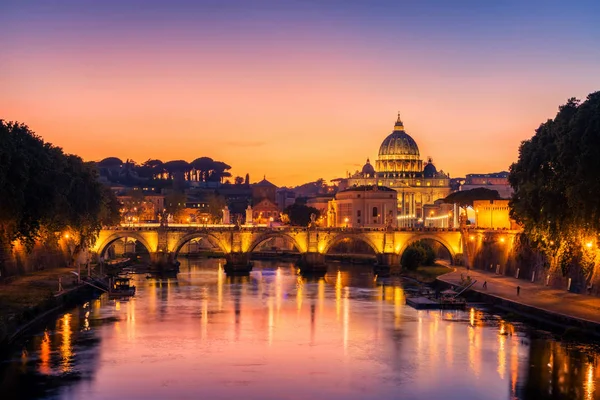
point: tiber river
(275, 335)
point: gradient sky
(294, 90)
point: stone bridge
(165, 243)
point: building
(399, 167)
(493, 214)
(264, 190)
(321, 203)
(284, 198)
(369, 206)
(497, 181)
(264, 205)
(265, 211)
(440, 215)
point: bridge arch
(433, 237)
(264, 237)
(354, 236)
(212, 239)
(123, 235)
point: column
(413, 208)
(455, 214)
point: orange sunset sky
(294, 90)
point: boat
(120, 287)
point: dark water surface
(274, 335)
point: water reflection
(66, 350)
(275, 334)
(45, 354)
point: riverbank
(24, 299)
(427, 274)
(551, 306)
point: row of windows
(391, 196)
(375, 212)
(266, 214)
(441, 182)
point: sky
(294, 90)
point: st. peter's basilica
(399, 166)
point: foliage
(155, 172)
(216, 204)
(465, 198)
(556, 185)
(418, 254)
(412, 258)
(312, 189)
(45, 190)
(175, 204)
(299, 214)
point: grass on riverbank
(427, 273)
(18, 294)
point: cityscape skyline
(308, 90)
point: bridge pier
(162, 261)
(312, 263)
(387, 263)
(237, 264)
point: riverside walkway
(563, 307)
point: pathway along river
(274, 335)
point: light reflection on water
(277, 335)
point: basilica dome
(430, 171)
(399, 145)
(367, 169)
(399, 155)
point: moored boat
(120, 287)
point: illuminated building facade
(399, 167)
(493, 214)
(364, 207)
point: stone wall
(518, 259)
(16, 260)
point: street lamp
(346, 221)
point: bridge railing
(265, 228)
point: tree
(87, 206)
(216, 204)
(149, 169)
(218, 172)
(46, 191)
(412, 258)
(202, 167)
(417, 254)
(556, 185)
(239, 180)
(465, 198)
(175, 205)
(299, 214)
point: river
(275, 335)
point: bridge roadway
(164, 243)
